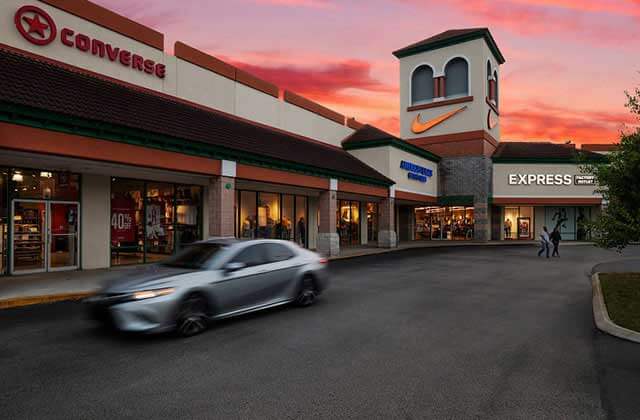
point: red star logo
(36, 25)
(32, 22)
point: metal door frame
(46, 231)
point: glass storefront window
(188, 205)
(564, 218)
(348, 222)
(127, 221)
(151, 221)
(301, 224)
(583, 214)
(518, 222)
(525, 223)
(372, 222)
(248, 214)
(447, 223)
(271, 216)
(45, 185)
(268, 215)
(159, 234)
(510, 224)
(4, 220)
(288, 219)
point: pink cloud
(316, 4)
(541, 121)
(320, 81)
(547, 18)
(622, 7)
(389, 124)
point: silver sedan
(210, 280)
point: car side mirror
(234, 266)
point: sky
(568, 62)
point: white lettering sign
(540, 179)
(585, 180)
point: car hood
(147, 277)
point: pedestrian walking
(544, 242)
(555, 240)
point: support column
(328, 241)
(482, 221)
(221, 197)
(364, 224)
(387, 237)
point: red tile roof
(540, 150)
(600, 147)
(450, 37)
(368, 133)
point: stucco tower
(449, 105)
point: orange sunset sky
(568, 61)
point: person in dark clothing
(301, 232)
(555, 240)
(544, 242)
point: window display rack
(28, 241)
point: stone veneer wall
(470, 176)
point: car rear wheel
(308, 293)
(192, 316)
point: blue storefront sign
(416, 172)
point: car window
(252, 255)
(194, 256)
(278, 252)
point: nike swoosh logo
(420, 127)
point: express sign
(550, 179)
(37, 27)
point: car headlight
(146, 294)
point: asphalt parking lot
(471, 332)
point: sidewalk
(72, 285)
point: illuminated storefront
(518, 222)
(372, 222)
(264, 215)
(542, 184)
(444, 223)
(151, 221)
(348, 222)
(39, 220)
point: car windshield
(194, 256)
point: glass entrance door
(44, 236)
(29, 236)
(63, 236)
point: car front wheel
(308, 293)
(192, 316)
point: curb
(601, 316)
(438, 246)
(35, 300)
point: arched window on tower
(489, 78)
(422, 85)
(456, 74)
(495, 88)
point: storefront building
(172, 149)
(115, 152)
(542, 184)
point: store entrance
(44, 236)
